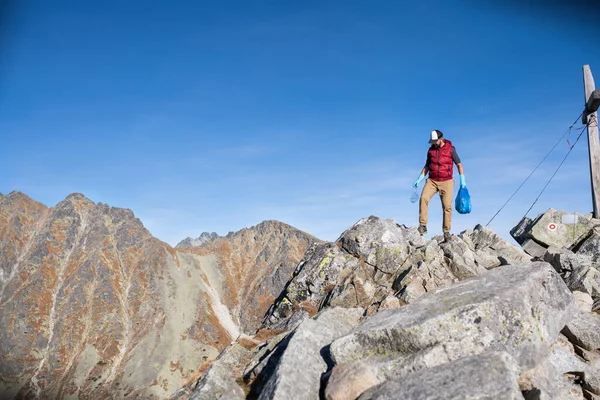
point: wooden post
(590, 115)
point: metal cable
(535, 169)
(560, 165)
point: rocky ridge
(204, 237)
(93, 306)
(383, 314)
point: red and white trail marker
(552, 226)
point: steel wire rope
(535, 169)
(560, 165)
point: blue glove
(419, 180)
(463, 183)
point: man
(440, 159)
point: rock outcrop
(204, 237)
(469, 317)
(93, 306)
(376, 261)
(96, 307)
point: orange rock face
(93, 306)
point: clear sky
(214, 116)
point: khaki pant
(432, 187)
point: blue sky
(214, 116)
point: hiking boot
(446, 235)
(422, 229)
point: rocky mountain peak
(204, 237)
(93, 306)
(16, 197)
(384, 313)
(87, 294)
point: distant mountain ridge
(93, 306)
(204, 237)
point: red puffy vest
(440, 162)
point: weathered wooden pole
(590, 117)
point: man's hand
(463, 183)
(419, 180)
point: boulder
(422, 278)
(584, 301)
(591, 246)
(298, 371)
(461, 258)
(584, 278)
(556, 376)
(487, 376)
(563, 260)
(584, 330)
(533, 248)
(491, 250)
(348, 381)
(220, 380)
(565, 236)
(519, 309)
(261, 359)
(520, 230)
(389, 302)
(577, 269)
(380, 243)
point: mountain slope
(273, 249)
(93, 306)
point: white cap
(435, 135)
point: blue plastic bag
(414, 197)
(462, 203)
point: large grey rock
(219, 379)
(533, 248)
(584, 301)
(554, 377)
(591, 246)
(487, 376)
(462, 259)
(491, 250)
(348, 381)
(584, 278)
(520, 230)
(416, 282)
(592, 378)
(519, 309)
(379, 242)
(299, 369)
(427, 270)
(564, 260)
(584, 330)
(565, 235)
(271, 349)
(577, 269)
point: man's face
(438, 143)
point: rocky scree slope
(384, 314)
(93, 306)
